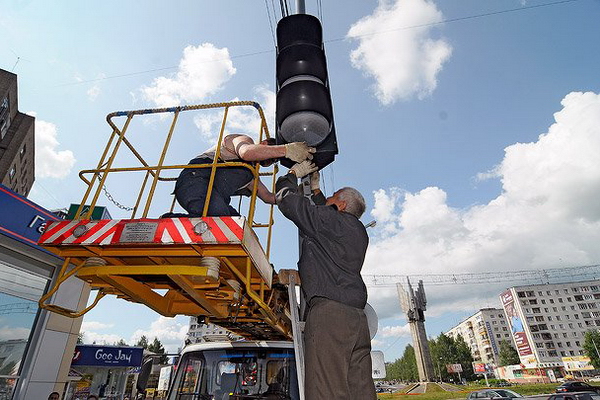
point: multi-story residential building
(200, 332)
(483, 332)
(549, 321)
(16, 139)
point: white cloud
(395, 331)
(50, 162)
(546, 216)
(170, 331)
(239, 119)
(94, 325)
(101, 338)
(397, 49)
(202, 71)
(93, 92)
(7, 333)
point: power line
(285, 13)
(270, 21)
(489, 14)
(545, 276)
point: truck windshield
(236, 374)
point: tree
(157, 348)
(591, 345)
(80, 336)
(447, 350)
(404, 368)
(507, 354)
(121, 342)
(143, 342)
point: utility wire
(270, 22)
(283, 11)
(489, 14)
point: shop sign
(577, 363)
(107, 356)
(21, 218)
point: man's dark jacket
(333, 246)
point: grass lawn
(434, 392)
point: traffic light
(304, 112)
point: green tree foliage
(591, 347)
(143, 342)
(80, 336)
(157, 348)
(507, 354)
(404, 368)
(121, 342)
(447, 350)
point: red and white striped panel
(145, 231)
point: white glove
(304, 168)
(315, 177)
(298, 151)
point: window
(551, 301)
(585, 289)
(577, 343)
(22, 151)
(579, 324)
(545, 310)
(548, 292)
(4, 117)
(567, 291)
(558, 317)
(549, 317)
(560, 299)
(574, 290)
(583, 306)
(540, 294)
(12, 173)
(554, 309)
(543, 301)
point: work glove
(315, 178)
(299, 151)
(304, 168)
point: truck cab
(237, 371)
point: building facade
(548, 322)
(17, 133)
(483, 332)
(200, 332)
(36, 346)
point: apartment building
(200, 332)
(549, 321)
(16, 139)
(483, 332)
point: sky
(471, 127)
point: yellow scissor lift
(210, 266)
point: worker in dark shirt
(334, 242)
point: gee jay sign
(107, 356)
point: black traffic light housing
(304, 111)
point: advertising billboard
(482, 368)
(517, 328)
(454, 368)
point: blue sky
(471, 127)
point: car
(495, 394)
(576, 386)
(575, 396)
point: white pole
(300, 7)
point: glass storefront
(19, 293)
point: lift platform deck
(211, 267)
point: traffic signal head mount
(304, 111)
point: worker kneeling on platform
(334, 242)
(192, 184)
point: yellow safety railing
(95, 179)
(117, 139)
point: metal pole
(300, 7)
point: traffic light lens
(305, 126)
